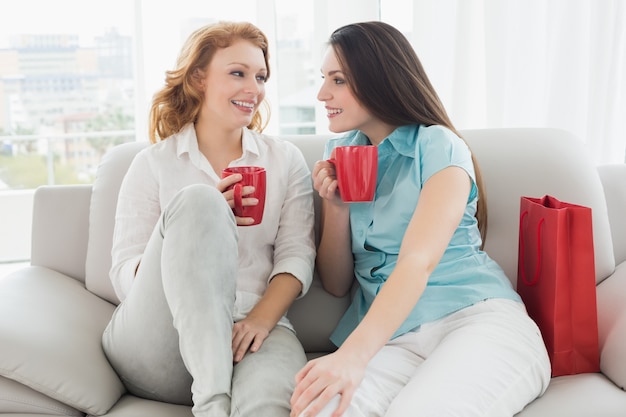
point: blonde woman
(203, 295)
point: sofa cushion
(130, 406)
(534, 162)
(69, 206)
(50, 332)
(20, 399)
(582, 395)
(612, 326)
(613, 179)
(106, 186)
(315, 316)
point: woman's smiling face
(234, 85)
(343, 110)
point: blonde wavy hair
(180, 100)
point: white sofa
(52, 313)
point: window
(70, 88)
(62, 81)
(66, 94)
(77, 77)
(74, 85)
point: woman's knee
(201, 198)
(197, 203)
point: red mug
(256, 177)
(356, 168)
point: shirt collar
(188, 142)
(402, 140)
(249, 143)
(359, 139)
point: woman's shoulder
(165, 148)
(154, 153)
(437, 132)
(438, 136)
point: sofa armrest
(613, 177)
(60, 228)
(611, 294)
(50, 339)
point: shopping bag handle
(521, 255)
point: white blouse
(282, 243)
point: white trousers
(170, 339)
(487, 360)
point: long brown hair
(180, 100)
(387, 78)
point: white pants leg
(264, 380)
(171, 337)
(487, 360)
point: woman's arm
(249, 333)
(294, 244)
(438, 213)
(294, 254)
(335, 264)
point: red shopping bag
(556, 280)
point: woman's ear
(199, 76)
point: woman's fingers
(226, 182)
(325, 181)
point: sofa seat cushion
(131, 406)
(16, 398)
(50, 333)
(582, 395)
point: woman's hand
(229, 194)
(322, 379)
(248, 335)
(325, 182)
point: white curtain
(495, 63)
(530, 63)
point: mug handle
(237, 190)
(332, 159)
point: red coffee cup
(254, 176)
(356, 168)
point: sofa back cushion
(514, 162)
(534, 162)
(106, 186)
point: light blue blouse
(465, 275)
